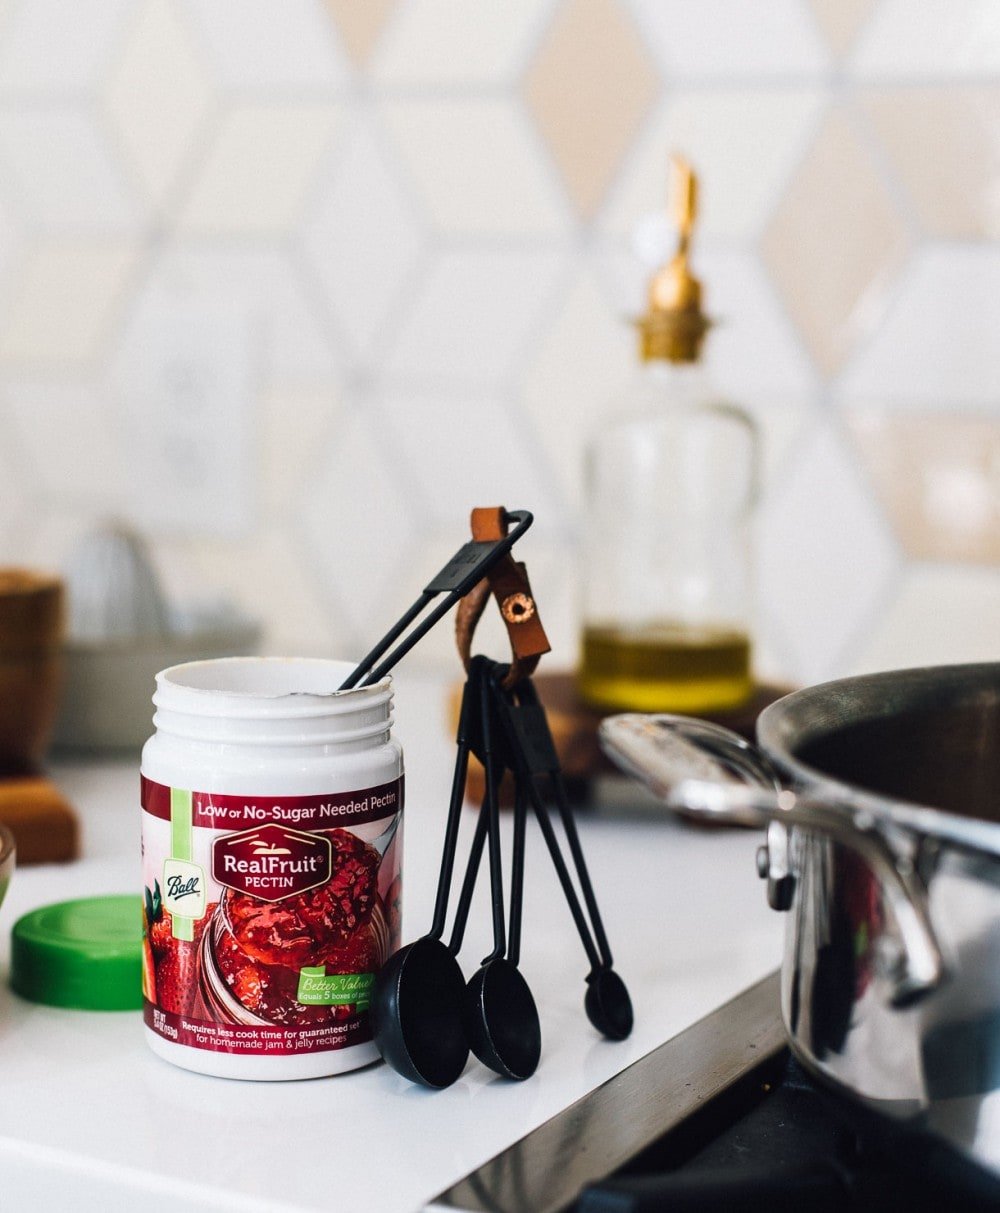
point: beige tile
(588, 88)
(834, 244)
(938, 476)
(360, 25)
(64, 303)
(943, 142)
(157, 98)
(257, 173)
(841, 21)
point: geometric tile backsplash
(292, 286)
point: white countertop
(89, 1112)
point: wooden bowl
(31, 632)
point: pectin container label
(265, 919)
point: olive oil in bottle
(660, 667)
(670, 487)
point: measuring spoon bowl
(501, 1020)
(608, 1005)
(417, 1013)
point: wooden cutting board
(44, 825)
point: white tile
(933, 38)
(444, 43)
(158, 97)
(49, 46)
(61, 173)
(54, 531)
(291, 345)
(295, 424)
(270, 579)
(16, 476)
(357, 526)
(753, 348)
(185, 380)
(940, 615)
(464, 450)
(623, 275)
(363, 237)
(65, 299)
(478, 166)
(732, 39)
(67, 432)
(827, 557)
(474, 315)
(586, 360)
(11, 241)
(256, 44)
(781, 420)
(259, 169)
(743, 143)
(938, 344)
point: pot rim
(802, 714)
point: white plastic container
(271, 865)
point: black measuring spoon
(501, 1015)
(417, 1003)
(607, 1002)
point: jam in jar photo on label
(261, 937)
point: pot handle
(684, 762)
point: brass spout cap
(674, 325)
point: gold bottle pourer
(674, 325)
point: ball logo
(272, 861)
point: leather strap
(508, 580)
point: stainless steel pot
(881, 797)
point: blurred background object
(122, 633)
(31, 633)
(262, 265)
(33, 813)
(670, 487)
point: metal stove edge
(547, 1169)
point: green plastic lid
(85, 954)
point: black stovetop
(722, 1118)
(775, 1140)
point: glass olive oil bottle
(671, 482)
